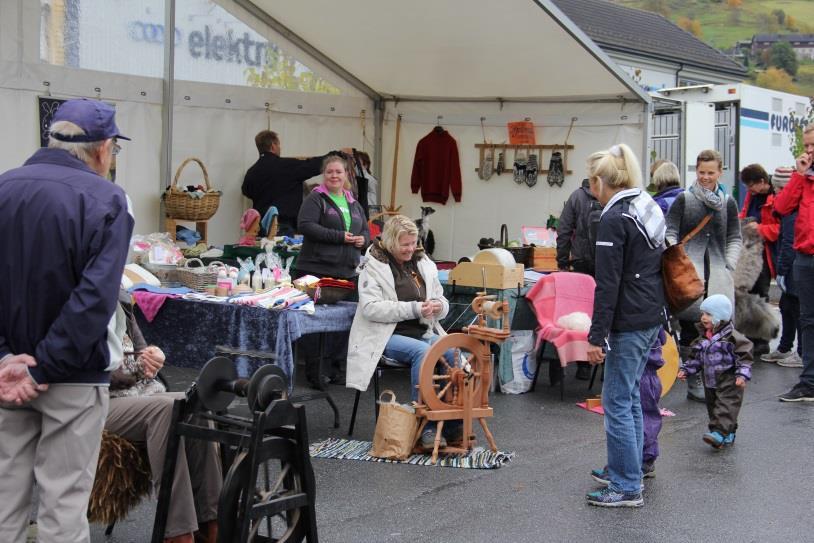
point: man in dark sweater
(277, 181)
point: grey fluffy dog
(754, 317)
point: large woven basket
(198, 278)
(180, 205)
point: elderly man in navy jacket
(64, 236)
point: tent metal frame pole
(309, 49)
(378, 142)
(489, 99)
(645, 162)
(167, 104)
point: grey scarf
(713, 200)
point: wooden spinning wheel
(441, 383)
(455, 377)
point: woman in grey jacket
(714, 251)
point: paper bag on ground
(395, 429)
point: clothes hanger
(438, 128)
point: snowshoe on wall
(555, 172)
(531, 170)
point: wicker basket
(198, 278)
(166, 273)
(522, 255)
(181, 206)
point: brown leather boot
(207, 533)
(183, 538)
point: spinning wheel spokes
(466, 350)
(286, 525)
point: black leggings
(790, 316)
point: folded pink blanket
(150, 302)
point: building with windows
(803, 44)
(655, 52)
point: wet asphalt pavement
(760, 490)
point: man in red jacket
(799, 195)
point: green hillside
(722, 23)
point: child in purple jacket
(649, 395)
(725, 356)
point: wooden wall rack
(482, 147)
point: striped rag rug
(351, 449)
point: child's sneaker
(714, 439)
(729, 440)
(602, 477)
(648, 470)
(610, 498)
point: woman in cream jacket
(400, 304)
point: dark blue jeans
(804, 281)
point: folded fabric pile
(278, 298)
(338, 283)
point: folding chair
(556, 295)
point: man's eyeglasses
(116, 148)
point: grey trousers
(53, 441)
(198, 478)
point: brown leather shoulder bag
(682, 286)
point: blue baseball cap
(96, 118)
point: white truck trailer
(746, 124)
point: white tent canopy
(476, 64)
(473, 49)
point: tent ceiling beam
(283, 30)
(501, 101)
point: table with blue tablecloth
(188, 331)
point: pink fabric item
(558, 294)
(150, 302)
(248, 218)
(599, 410)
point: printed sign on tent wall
(522, 133)
(47, 108)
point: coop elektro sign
(205, 43)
